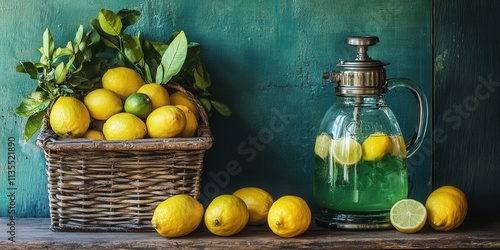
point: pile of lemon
(125, 108)
(228, 214)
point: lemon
(408, 216)
(69, 117)
(124, 126)
(322, 146)
(258, 202)
(139, 105)
(289, 216)
(376, 146)
(398, 146)
(94, 134)
(179, 98)
(226, 215)
(165, 122)
(177, 216)
(103, 103)
(447, 208)
(122, 80)
(346, 151)
(191, 122)
(157, 93)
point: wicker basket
(116, 185)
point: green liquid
(367, 186)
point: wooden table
(34, 233)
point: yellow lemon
(322, 145)
(139, 105)
(165, 122)
(226, 215)
(376, 146)
(346, 151)
(258, 202)
(179, 98)
(408, 216)
(122, 80)
(124, 126)
(103, 103)
(177, 216)
(289, 216)
(69, 117)
(446, 208)
(157, 93)
(191, 122)
(94, 134)
(398, 146)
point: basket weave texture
(99, 185)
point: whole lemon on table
(157, 93)
(165, 122)
(177, 216)
(124, 126)
(122, 80)
(103, 103)
(179, 98)
(69, 117)
(139, 105)
(258, 202)
(446, 208)
(226, 215)
(289, 216)
(191, 122)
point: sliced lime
(408, 216)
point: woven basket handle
(195, 101)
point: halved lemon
(322, 146)
(408, 216)
(346, 151)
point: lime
(139, 105)
(322, 146)
(346, 151)
(408, 216)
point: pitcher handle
(422, 108)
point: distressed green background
(265, 58)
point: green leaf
(147, 73)
(33, 103)
(132, 48)
(221, 108)
(110, 22)
(201, 76)
(60, 73)
(28, 67)
(75, 81)
(173, 58)
(206, 104)
(159, 74)
(108, 40)
(33, 124)
(129, 17)
(79, 36)
(48, 44)
(60, 52)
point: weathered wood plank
(33, 233)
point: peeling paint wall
(265, 58)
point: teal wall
(265, 59)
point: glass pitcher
(360, 157)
